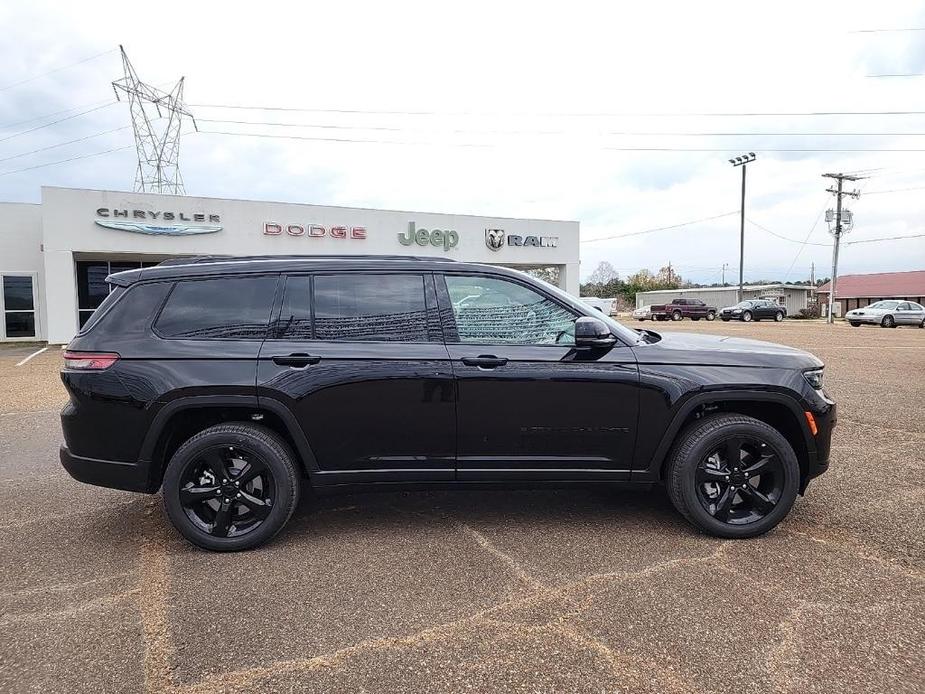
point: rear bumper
(131, 477)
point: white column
(568, 278)
(60, 296)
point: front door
(529, 403)
(359, 358)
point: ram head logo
(494, 239)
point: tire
(687, 464)
(711, 315)
(779, 316)
(695, 317)
(855, 324)
(888, 322)
(746, 317)
(922, 324)
(232, 445)
(725, 319)
(676, 315)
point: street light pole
(742, 161)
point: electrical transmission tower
(843, 221)
(158, 144)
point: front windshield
(884, 304)
(744, 304)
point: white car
(643, 313)
(888, 314)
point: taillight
(89, 361)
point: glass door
(18, 307)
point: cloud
(473, 90)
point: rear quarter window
(219, 308)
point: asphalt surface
(546, 591)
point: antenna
(158, 148)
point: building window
(91, 283)
(18, 306)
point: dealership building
(55, 255)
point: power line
(57, 69)
(64, 161)
(62, 144)
(785, 238)
(564, 115)
(884, 31)
(60, 120)
(899, 74)
(892, 190)
(649, 231)
(806, 240)
(885, 238)
(568, 132)
(712, 150)
(54, 113)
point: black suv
(236, 383)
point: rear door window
(221, 308)
(367, 308)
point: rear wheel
(779, 316)
(747, 316)
(676, 315)
(231, 487)
(888, 322)
(855, 324)
(733, 476)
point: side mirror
(592, 332)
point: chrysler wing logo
(494, 239)
(159, 229)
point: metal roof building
(857, 291)
(793, 296)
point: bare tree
(603, 273)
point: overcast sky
(506, 109)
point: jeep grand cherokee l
(235, 384)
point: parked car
(236, 385)
(643, 313)
(888, 314)
(755, 309)
(694, 309)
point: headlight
(737, 310)
(814, 378)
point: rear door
(531, 405)
(359, 359)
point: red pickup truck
(694, 309)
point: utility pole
(812, 274)
(742, 161)
(839, 193)
(669, 272)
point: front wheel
(725, 319)
(854, 324)
(732, 476)
(888, 322)
(231, 487)
(747, 316)
(711, 315)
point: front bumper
(873, 320)
(131, 477)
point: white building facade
(55, 256)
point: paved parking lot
(546, 591)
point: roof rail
(194, 260)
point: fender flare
(682, 411)
(249, 402)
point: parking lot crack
(513, 566)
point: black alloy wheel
(888, 322)
(740, 481)
(227, 491)
(231, 486)
(732, 475)
(747, 316)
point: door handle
(298, 360)
(484, 361)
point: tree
(603, 273)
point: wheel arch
(778, 410)
(180, 419)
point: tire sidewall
(705, 443)
(747, 317)
(676, 315)
(286, 493)
(711, 316)
(778, 317)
